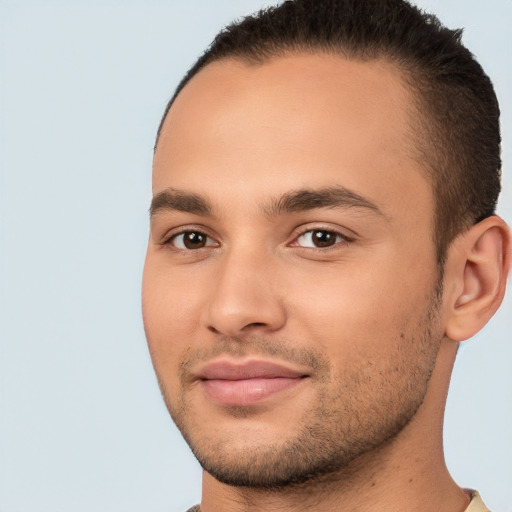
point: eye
(319, 238)
(190, 240)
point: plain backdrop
(82, 424)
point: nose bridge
(243, 296)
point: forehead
(307, 120)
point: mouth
(251, 382)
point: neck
(407, 474)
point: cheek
(349, 311)
(170, 307)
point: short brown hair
(458, 134)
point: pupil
(323, 238)
(193, 240)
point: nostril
(255, 324)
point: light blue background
(82, 425)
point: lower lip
(247, 391)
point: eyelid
(171, 234)
(331, 229)
(209, 242)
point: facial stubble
(368, 407)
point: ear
(476, 272)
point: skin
(366, 320)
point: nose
(244, 299)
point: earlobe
(476, 270)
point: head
(320, 178)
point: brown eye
(190, 240)
(323, 238)
(319, 238)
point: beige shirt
(476, 504)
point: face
(290, 286)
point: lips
(242, 384)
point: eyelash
(344, 239)
(168, 240)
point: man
(323, 235)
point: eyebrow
(302, 200)
(329, 197)
(171, 199)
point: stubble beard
(367, 410)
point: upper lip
(253, 369)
